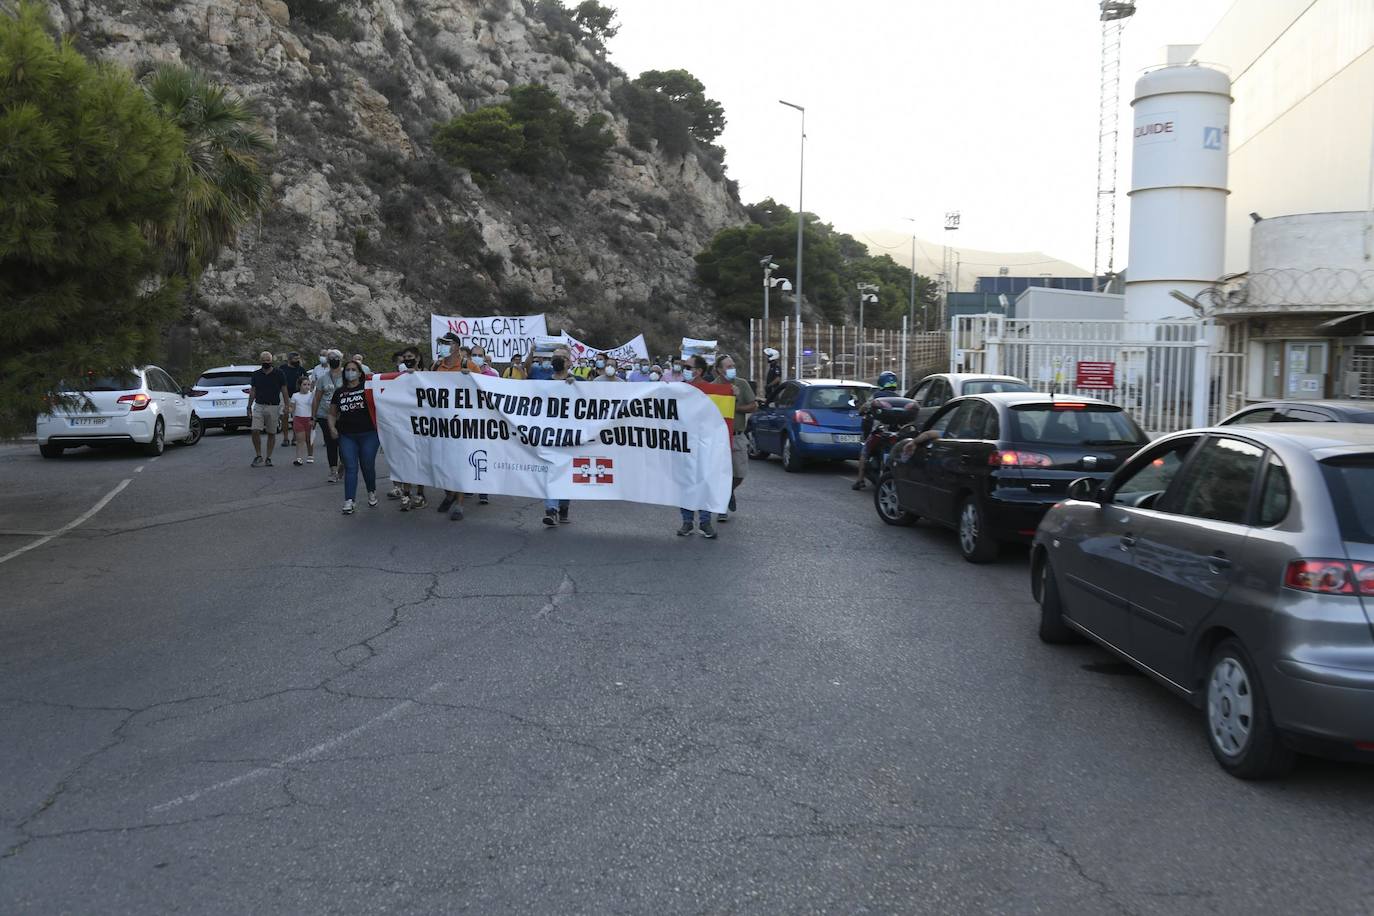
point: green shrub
(484, 142)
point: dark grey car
(1234, 565)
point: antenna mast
(1114, 15)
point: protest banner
(691, 346)
(501, 335)
(662, 444)
(630, 350)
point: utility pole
(801, 222)
(866, 294)
(911, 309)
(949, 270)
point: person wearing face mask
(556, 510)
(452, 358)
(703, 516)
(293, 372)
(672, 372)
(542, 370)
(607, 371)
(351, 424)
(640, 372)
(407, 360)
(328, 381)
(745, 403)
(358, 358)
(477, 362)
(655, 374)
(267, 395)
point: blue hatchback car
(811, 419)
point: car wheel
(791, 461)
(159, 440)
(51, 451)
(888, 506)
(1240, 728)
(197, 430)
(974, 542)
(755, 452)
(1053, 629)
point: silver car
(1235, 566)
(935, 391)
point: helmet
(770, 353)
(888, 381)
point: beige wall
(1302, 127)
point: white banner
(691, 346)
(646, 443)
(501, 335)
(630, 350)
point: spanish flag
(723, 396)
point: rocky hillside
(370, 231)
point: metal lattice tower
(1114, 16)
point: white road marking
(566, 589)
(307, 754)
(79, 520)
(139, 469)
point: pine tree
(86, 165)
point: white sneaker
(372, 499)
(310, 459)
(348, 507)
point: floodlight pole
(801, 222)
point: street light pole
(801, 222)
(865, 295)
(911, 309)
(768, 268)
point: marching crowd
(330, 397)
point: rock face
(369, 231)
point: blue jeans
(355, 449)
(705, 516)
(560, 504)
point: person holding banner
(696, 379)
(745, 404)
(556, 510)
(326, 383)
(407, 360)
(451, 359)
(350, 422)
(607, 369)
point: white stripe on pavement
(79, 520)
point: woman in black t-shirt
(350, 422)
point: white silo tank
(1178, 188)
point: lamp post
(866, 294)
(768, 268)
(801, 221)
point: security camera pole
(768, 268)
(866, 294)
(801, 221)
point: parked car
(1235, 565)
(1303, 412)
(935, 391)
(139, 406)
(999, 462)
(810, 419)
(220, 396)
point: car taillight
(248, 391)
(1068, 405)
(198, 393)
(1015, 459)
(135, 401)
(1330, 577)
(804, 416)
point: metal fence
(1151, 366)
(836, 351)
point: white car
(220, 396)
(934, 391)
(142, 407)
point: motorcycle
(889, 414)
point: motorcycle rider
(887, 385)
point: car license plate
(88, 421)
(848, 439)
(227, 403)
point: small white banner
(691, 346)
(646, 443)
(501, 335)
(631, 350)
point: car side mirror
(1085, 489)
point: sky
(916, 107)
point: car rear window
(120, 381)
(223, 379)
(994, 386)
(837, 398)
(1094, 424)
(1351, 483)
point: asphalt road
(219, 695)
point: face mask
(600, 363)
(323, 360)
(730, 374)
(558, 364)
(267, 364)
(479, 361)
(610, 371)
(677, 367)
(546, 364)
(689, 374)
(333, 363)
(654, 376)
(351, 375)
(444, 351)
(411, 363)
